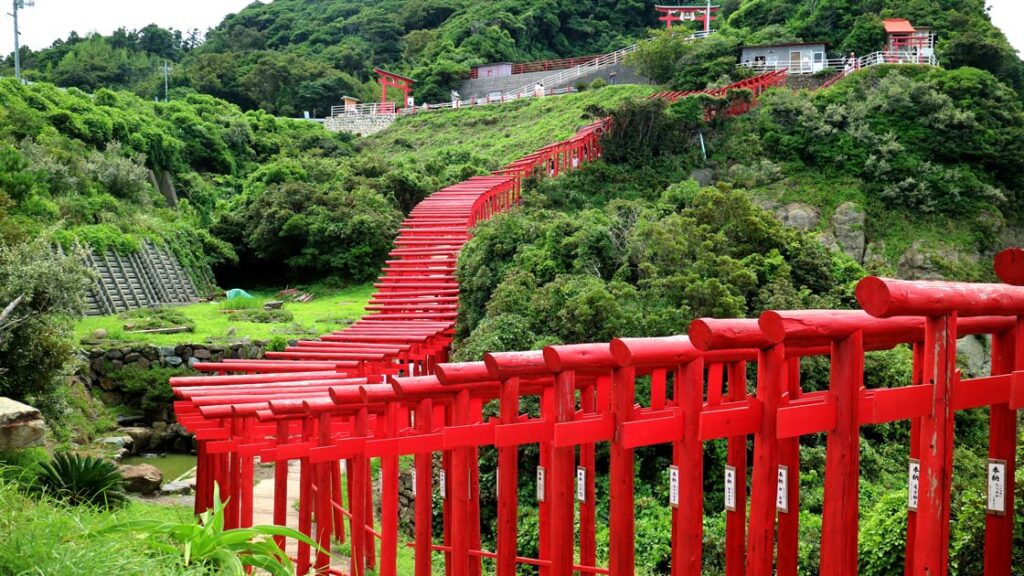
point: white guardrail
(846, 65)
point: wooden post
(761, 543)
(842, 460)
(560, 482)
(736, 520)
(1002, 445)
(508, 483)
(931, 546)
(789, 457)
(389, 501)
(621, 551)
(424, 492)
(689, 458)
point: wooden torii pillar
(392, 80)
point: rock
(166, 351)
(99, 334)
(141, 437)
(848, 228)
(231, 333)
(977, 354)
(132, 357)
(799, 216)
(151, 354)
(118, 442)
(703, 176)
(273, 305)
(143, 363)
(923, 261)
(176, 488)
(129, 420)
(201, 354)
(21, 426)
(141, 478)
(173, 361)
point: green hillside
(291, 56)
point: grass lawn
(331, 309)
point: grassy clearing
(44, 537)
(497, 133)
(331, 309)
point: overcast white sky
(53, 19)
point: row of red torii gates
(383, 388)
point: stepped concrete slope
(150, 277)
(477, 88)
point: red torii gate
(703, 14)
(392, 80)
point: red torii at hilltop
(392, 80)
(702, 14)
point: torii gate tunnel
(382, 389)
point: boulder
(800, 216)
(273, 305)
(21, 426)
(201, 354)
(703, 176)
(141, 437)
(141, 478)
(848, 229)
(173, 361)
(118, 442)
(176, 488)
(99, 334)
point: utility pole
(167, 80)
(17, 5)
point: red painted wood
(761, 540)
(424, 492)
(931, 545)
(1002, 445)
(884, 297)
(736, 456)
(620, 481)
(842, 463)
(1009, 265)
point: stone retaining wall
(359, 124)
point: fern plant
(77, 480)
(206, 543)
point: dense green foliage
(291, 56)
(42, 295)
(930, 154)
(79, 480)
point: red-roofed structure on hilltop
(702, 14)
(906, 43)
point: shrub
(81, 480)
(152, 318)
(206, 542)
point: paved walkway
(263, 512)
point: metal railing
(578, 71)
(387, 108)
(844, 65)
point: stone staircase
(150, 277)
